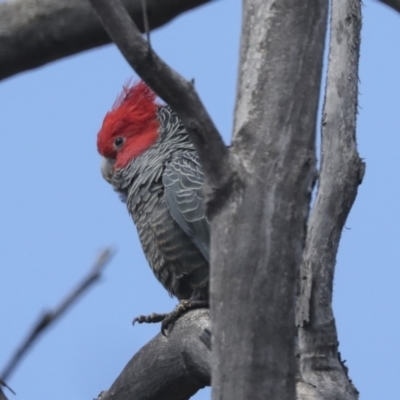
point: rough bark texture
(167, 368)
(258, 235)
(341, 173)
(260, 193)
(35, 32)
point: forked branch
(341, 172)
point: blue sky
(56, 211)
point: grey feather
(162, 188)
(183, 180)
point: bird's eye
(118, 141)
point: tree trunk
(258, 235)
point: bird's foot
(168, 320)
(149, 319)
(182, 307)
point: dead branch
(167, 368)
(35, 32)
(341, 173)
(50, 317)
(254, 268)
(179, 93)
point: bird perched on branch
(149, 160)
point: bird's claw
(182, 307)
(167, 320)
(149, 319)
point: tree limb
(170, 86)
(395, 4)
(341, 173)
(52, 316)
(167, 368)
(35, 32)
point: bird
(150, 161)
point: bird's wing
(183, 180)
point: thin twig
(170, 86)
(2, 383)
(51, 316)
(146, 23)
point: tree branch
(341, 173)
(52, 316)
(170, 86)
(395, 4)
(167, 368)
(2, 395)
(35, 32)
(2, 383)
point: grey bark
(258, 235)
(35, 32)
(341, 173)
(258, 194)
(167, 368)
(259, 197)
(258, 226)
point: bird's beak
(107, 168)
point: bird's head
(129, 129)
